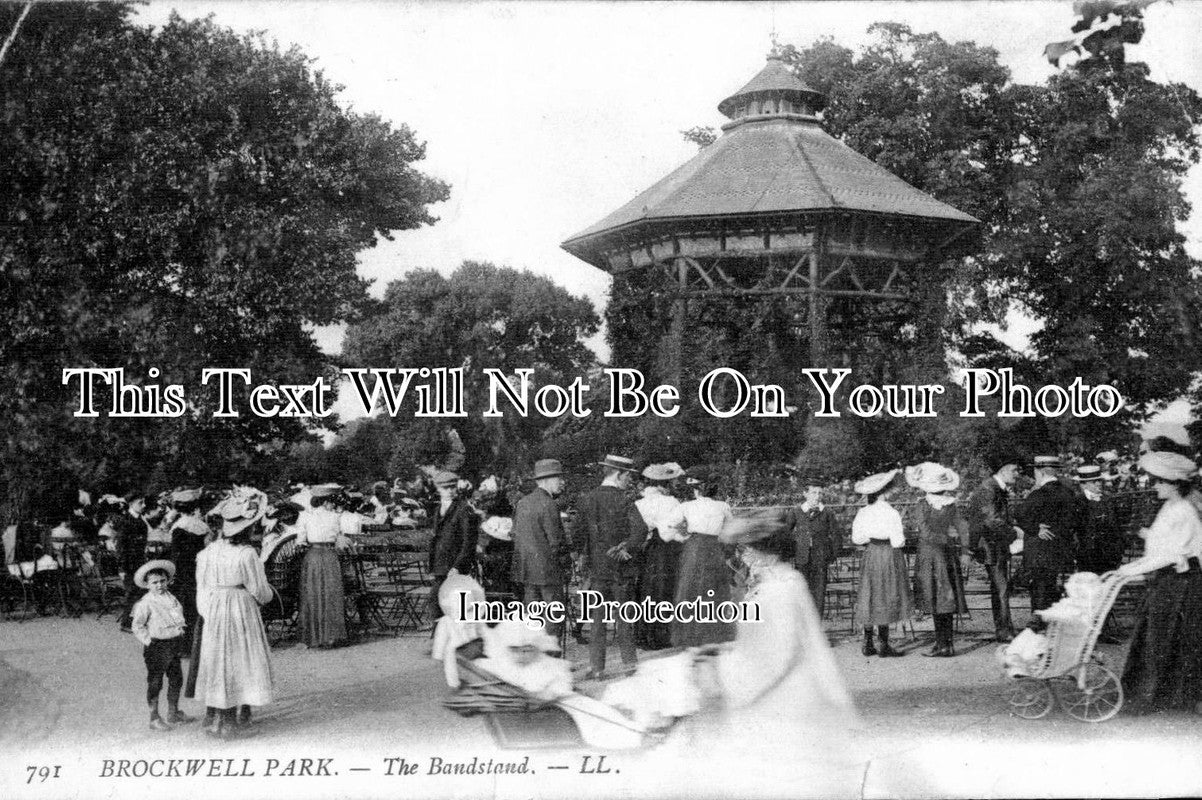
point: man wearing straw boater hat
(610, 533)
(1050, 519)
(540, 548)
(1102, 543)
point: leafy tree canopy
(176, 198)
(481, 316)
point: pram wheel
(1031, 698)
(1090, 693)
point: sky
(545, 116)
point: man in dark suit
(991, 532)
(1049, 518)
(610, 533)
(540, 548)
(456, 529)
(817, 535)
(132, 533)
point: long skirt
(938, 584)
(235, 663)
(704, 575)
(322, 614)
(661, 565)
(884, 593)
(1164, 662)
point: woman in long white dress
(235, 663)
(781, 718)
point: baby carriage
(1069, 671)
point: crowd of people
(192, 562)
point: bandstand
(777, 206)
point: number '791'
(42, 773)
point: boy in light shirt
(158, 623)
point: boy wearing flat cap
(158, 623)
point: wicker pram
(1070, 672)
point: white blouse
(658, 511)
(157, 616)
(1174, 537)
(704, 516)
(318, 526)
(878, 521)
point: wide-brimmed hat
(445, 478)
(547, 468)
(498, 528)
(186, 495)
(1047, 462)
(242, 508)
(663, 472)
(1107, 456)
(932, 478)
(1173, 431)
(618, 462)
(151, 566)
(1168, 466)
(753, 527)
(875, 483)
(1087, 473)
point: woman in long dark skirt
(322, 598)
(704, 574)
(189, 535)
(883, 597)
(1164, 662)
(943, 545)
(661, 557)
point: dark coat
(606, 517)
(1059, 507)
(539, 544)
(938, 582)
(817, 535)
(1103, 540)
(991, 529)
(131, 541)
(454, 543)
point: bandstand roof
(769, 164)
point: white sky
(546, 116)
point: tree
(480, 317)
(1078, 183)
(176, 199)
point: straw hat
(151, 566)
(445, 478)
(753, 527)
(1047, 462)
(186, 495)
(325, 490)
(242, 508)
(618, 462)
(875, 483)
(932, 478)
(663, 472)
(1087, 473)
(1168, 466)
